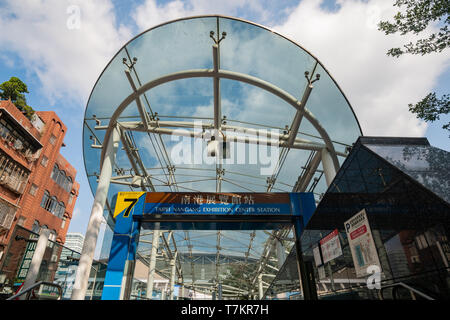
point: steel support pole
(152, 263)
(260, 287)
(90, 240)
(306, 278)
(328, 166)
(173, 265)
(36, 261)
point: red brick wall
(40, 175)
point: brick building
(37, 184)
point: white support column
(328, 166)
(172, 275)
(152, 263)
(163, 293)
(90, 240)
(260, 287)
(217, 106)
(36, 261)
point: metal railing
(396, 286)
(34, 286)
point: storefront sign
(26, 262)
(181, 203)
(361, 243)
(217, 203)
(331, 246)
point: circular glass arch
(247, 48)
(207, 73)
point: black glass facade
(403, 185)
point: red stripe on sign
(329, 237)
(360, 231)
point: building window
(33, 189)
(45, 198)
(71, 196)
(7, 214)
(21, 221)
(44, 161)
(60, 177)
(55, 172)
(13, 139)
(35, 228)
(60, 209)
(68, 184)
(52, 205)
(12, 175)
(52, 139)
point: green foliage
(14, 89)
(418, 14)
(416, 18)
(430, 108)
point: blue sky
(60, 65)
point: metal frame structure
(120, 129)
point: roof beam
(305, 178)
(202, 73)
(298, 143)
(142, 112)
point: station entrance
(201, 245)
(208, 103)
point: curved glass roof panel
(253, 50)
(246, 49)
(173, 87)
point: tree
(417, 16)
(14, 89)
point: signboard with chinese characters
(26, 262)
(331, 246)
(136, 211)
(361, 243)
(217, 203)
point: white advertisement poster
(331, 246)
(361, 243)
(317, 257)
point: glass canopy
(174, 89)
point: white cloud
(67, 59)
(349, 45)
(150, 14)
